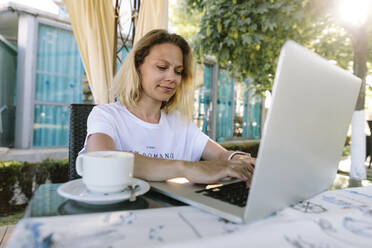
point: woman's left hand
(251, 164)
(212, 171)
(247, 157)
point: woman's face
(161, 72)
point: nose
(172, 76)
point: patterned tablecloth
(339, 218)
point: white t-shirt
(171, 138)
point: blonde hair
(127, 82)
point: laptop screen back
(304, 133)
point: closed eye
(162, 68)
(178, 72)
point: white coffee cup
(106, 171)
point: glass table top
(47, 202)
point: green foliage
(346, 151)
(11, 219)
(332, 42)
(246, 36)
(185, 20)
(27, 176)
(57, 170)
(9, 172)
(250, 147)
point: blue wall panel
(59, 74)
(51, 125)
(205, 97)
(252, 114)
(225, 97)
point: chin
(165, 98)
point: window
(225, 106)
(59, 82)
(202, 97)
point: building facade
(41, 74)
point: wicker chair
(78, 131)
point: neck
(148, 112)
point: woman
(152, 117)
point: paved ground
(33, 155)
(5, 232)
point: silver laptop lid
(304, 133)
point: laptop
(302, 141)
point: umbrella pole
(116, 13)
(135, 13)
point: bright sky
(44, 5)
(354, 11)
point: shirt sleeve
(99, 121)
(198, 142)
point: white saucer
(76, 190)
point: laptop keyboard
(233, 193)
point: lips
(166, 88)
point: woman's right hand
(207, 172)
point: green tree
(359, 35)
(185, 20)
(246, 36)
(354, 41)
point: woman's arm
(214, 151)
(151, 169)
(154, 169)
(242, 164)
(100, 142)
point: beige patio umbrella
(153, 14)
(93, 24)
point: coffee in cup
(106, 171)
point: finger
(248, 165)
(247, 158)
(249, 171)
(236, 171)
(242, 170)
(241, 167)
(248, 183)
(245, 173)
(252, 161)
(242, 157)
(248, 174)
(250, 168)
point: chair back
(78, 131)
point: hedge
(26, 177)
(250, 147)
(18, 181)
